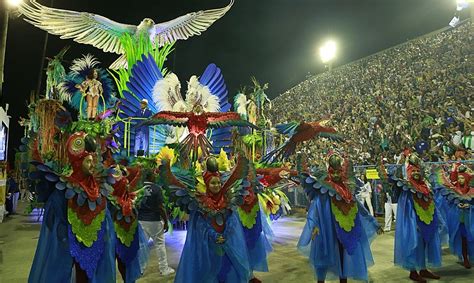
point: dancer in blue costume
(417, 231)
(77, 228)
(215, 248)
(131, 242)
(257, 230)
(457, 204)
(338, 229)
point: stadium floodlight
(461, 4)
(327, 52)
(14, 3)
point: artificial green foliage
(85, 234)
(146, 163)
(134, 47)
(426, 216)
(346, 222)
(261, 165)
(94, 129)
(250, 139)
(126, 237)
(248, 219)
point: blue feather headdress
(80, 69)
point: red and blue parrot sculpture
(299, 132)
(197, 123)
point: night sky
(274, 40)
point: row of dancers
(86, 230)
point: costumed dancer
(417, 236)
(131, 243)
(92, 90)
(458, 204)
(257, 230)
(77, 228)
(338, 229)
(215, 248)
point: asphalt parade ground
(19, 235)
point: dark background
(274, 40)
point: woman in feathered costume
(215, 248)
(457, 203)
(87, 82)
(417, 236)
(77, 228)
(338, 229)
(91, 89)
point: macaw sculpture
(299, 132)
(197, 123)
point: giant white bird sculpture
(105, 34)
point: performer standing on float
(338, 229)
(92, 90)
(142, 133)
(417, 237)
(215, 248)
(457, 203)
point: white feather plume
(240, 105)
(198, 94)
(167, 93)
(88, 61)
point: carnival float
(99, 138)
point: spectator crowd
(418, 95)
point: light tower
(327, 52)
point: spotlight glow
(14, 3)
(327, 52)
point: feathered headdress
(79, 71)
(198, 94)
(167, 94)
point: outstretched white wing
(82, 27)
(188, 25)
